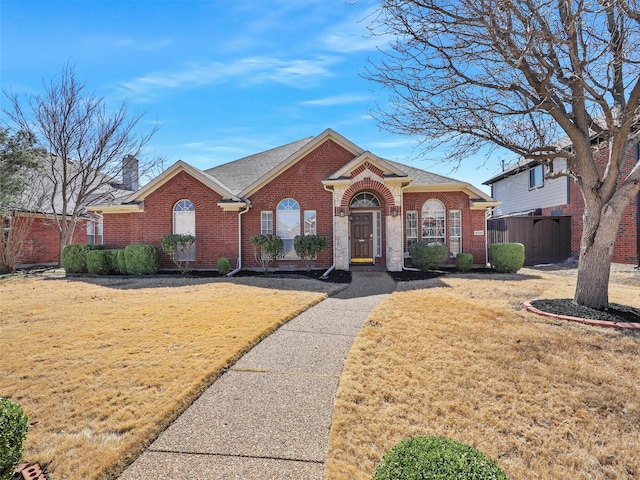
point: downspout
(403, 230)
(333, 233)
(239, 262)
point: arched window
(433, 221)
(184, 222)
(288, 226)
(365, 199)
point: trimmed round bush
(427, 255)
(436, 458)
(103, 262)
(13, 432)
(506, 257)
(224, 265)
(74, 257)
(142, 259)
(464, 262)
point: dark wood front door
(361, 237)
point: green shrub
(308, 246)
(436, 458)
(464, 262)
(102, 262)
(142, 259)
(120, 262)
(506, 257)
(427, 255)
(13, 431)
(176, 244)
(224, 265)
(266, 248)
(74, 257)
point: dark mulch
(335, 276)
(565, 306)
(411, 275)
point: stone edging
(587, 321)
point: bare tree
(521, 75)
(86, 143)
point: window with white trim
(288, 226)
(536, 177)
(433, 221)
(412, 228)
(266, 223)
(364, 200)
(184, 223)
(455, 232)
(94, 232)
(310, 222)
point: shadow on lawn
(298, 281)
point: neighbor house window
(455, 232)
(94, 232)
(433, 221)
(412, 228)
(288, 226)
(536, 176)
(184, 223)
(310, 222)
(266, 223)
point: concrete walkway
(269, 416)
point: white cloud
(346, 99)
(129, 43)
(252, 70)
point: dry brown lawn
(102, 366)
(459, 357)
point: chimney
(130, 173)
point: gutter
(333, 233)
(239, 262)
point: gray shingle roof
(239, 174)
(422, 177)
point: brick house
(42, 245)
(369, 208)
(524, 190)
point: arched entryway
(365, 228)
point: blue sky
(223, 79)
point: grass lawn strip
(459, 357)
(102, 369)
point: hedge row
(94, 259)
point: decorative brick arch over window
(368, 185)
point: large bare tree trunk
(600, 226)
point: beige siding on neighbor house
(515, 195)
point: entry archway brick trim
(367, 184)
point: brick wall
(43, 241)
(216, 230)
(625, 248)
(303, 183)
(472, 220)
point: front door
(361, 237)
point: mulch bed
(616, 312)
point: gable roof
(239, 174)
(235, 181)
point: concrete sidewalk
(269, 416)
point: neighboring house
(42, 245)
(524, 191)
(369, 208)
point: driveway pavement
(269, 416)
